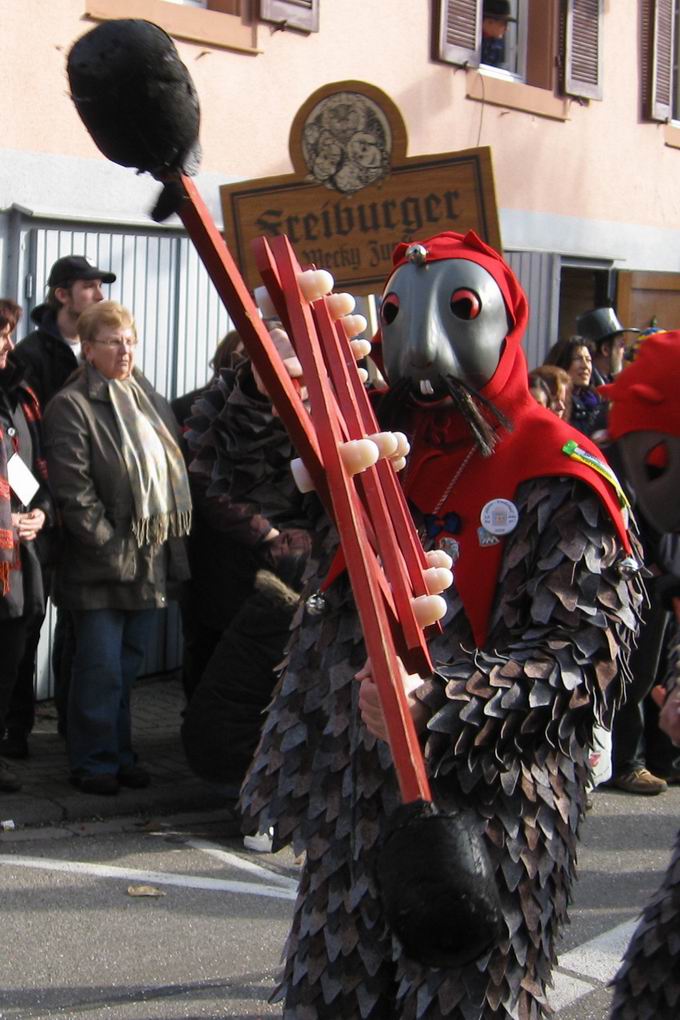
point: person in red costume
(532, 653)
(644, 422)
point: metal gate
(539, 274)
(179, 317)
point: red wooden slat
(369, 481)
(229, 284)
(362, 569)
(320, 451)
(267, 268)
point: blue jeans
(110, 646)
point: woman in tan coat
(120, 486)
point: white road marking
(596, 960)
(580, 970)
(567, 990)
(234, 861)
(154, 877)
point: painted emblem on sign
(347, 142)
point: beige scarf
(158, 477)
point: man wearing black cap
(52, 351)
(602, 327)
(495, 17)
(50, 354)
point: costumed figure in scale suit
(532, 653)
(644, 421)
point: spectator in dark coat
(249, 547)
(49, 355)
(25, 509)
(120, 484)
(588, 409)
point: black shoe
(105, 784)
(14, 744)
(9, 781)
(134, 776)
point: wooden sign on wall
(355, 194)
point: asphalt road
(173, 920)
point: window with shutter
(523, 77)
(659, 79)
(512, 47)
(583, 48)
(216, 23)
(300, 14)
(458, 31)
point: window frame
(457, 39)
(555, 32)
(662, 19)
(301, 15)
(583, 25)
(214, 26)
(537, 94)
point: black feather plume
(136, 97)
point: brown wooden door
(645, 299)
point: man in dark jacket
(48, 356)
(51, 353)
(602, 328)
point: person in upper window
(495, 19)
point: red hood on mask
(449, 245)
(440, 441)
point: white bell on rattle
(265, 303)
(359, 454)
(428, 609)
(437, 579)
(340, 304)
(301, 476)
(315, 284)
(439, 558)
(354, 324)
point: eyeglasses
(132, 343)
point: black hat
(76, 267)
(599, 324)
(497, 9)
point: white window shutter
(661, 64)
(300, 14)
(458, 32)
(583, 48)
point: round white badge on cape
(499, 516)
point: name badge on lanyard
(22, 481)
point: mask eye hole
(465, 304)
(389, 309)
(656, 461)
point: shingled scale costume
(530, 656)
(108, 68)
(510, 719)
(644, 421)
